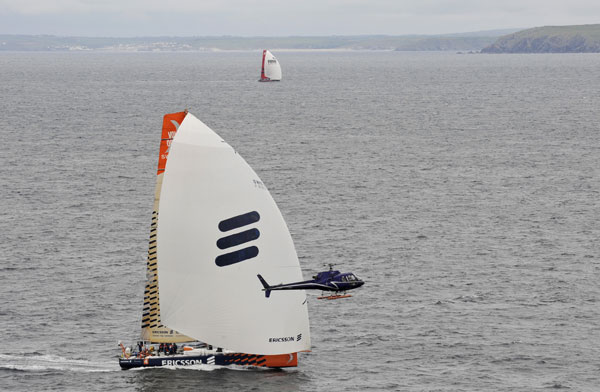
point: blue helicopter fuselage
(326, 281)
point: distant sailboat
(270, 70)
(217, 229)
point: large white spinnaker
(218, 228)
(272, 69)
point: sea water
(465, 190)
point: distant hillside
(462, 42)
(549, 39)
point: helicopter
(331, 280)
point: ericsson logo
(238, 238)
(285, 339)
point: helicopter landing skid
(335, 296)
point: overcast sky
(124, 18)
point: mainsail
(152, 329)
(271, 70)
(219, 227)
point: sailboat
(270, 70)
(215, 227)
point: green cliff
(549, 39)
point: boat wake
(38, 362)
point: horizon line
(273, 36)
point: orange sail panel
(171, 123)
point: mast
(152, 329)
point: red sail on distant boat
(270, 70)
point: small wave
(469, 298)
(516, 358)
(39, 362)
(556, 385)
(18, 268)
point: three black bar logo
(238, 238)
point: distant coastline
(549, 39)
(473, 41)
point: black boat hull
(274, 361)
